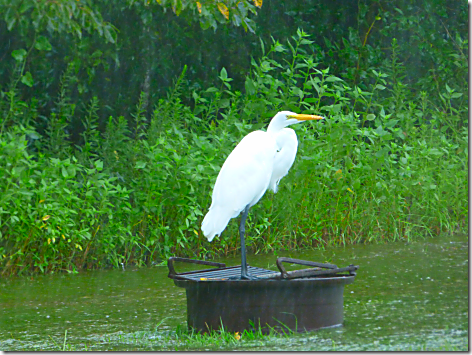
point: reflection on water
(405, 296)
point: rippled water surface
(405, 297)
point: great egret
(257, 163)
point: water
(405, 297)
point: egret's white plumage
(243, 180)
(257, 163)
(287, 145)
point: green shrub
(387, 164)
(57, 214)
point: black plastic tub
(217, 298)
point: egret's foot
(242, 277)
(248, 276)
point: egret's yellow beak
(301, 117)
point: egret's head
(286, 118)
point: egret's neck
(275, 126)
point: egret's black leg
(242, 229)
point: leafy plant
(77, 191)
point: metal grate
(227, 273)
(222, 273)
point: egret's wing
(245, 175)
(242, 181)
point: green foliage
(156, 39)
(80, 191)
(54, 212)
(210, 13)
(69, 16)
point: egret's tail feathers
(215, 222)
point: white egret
(257, 163)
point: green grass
(181, 339)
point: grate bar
(222, 274)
